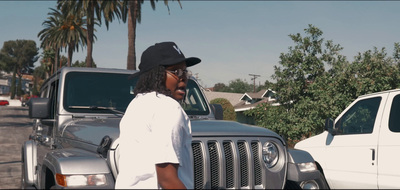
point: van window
(360, 118)
(394, 118)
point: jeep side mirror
(39, 108)
(218, 111)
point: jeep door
(45, 136)
(389, 145)
(351, 153)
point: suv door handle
(373, 154)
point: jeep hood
(92, 130)
(228, 128)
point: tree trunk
(19, 86)
(90, 29)
(13, 83)
(56, 58)
(70, 53)
(132, 15)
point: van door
(351, 153)
(389, 145)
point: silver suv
(74, 143)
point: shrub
(229, 111)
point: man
(155, 132)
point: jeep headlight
(270, 154)
(81, 180)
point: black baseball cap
(165, 54)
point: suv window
(394, 118)
(86, 91)
(194, 103)
(360, 118)
(53, 98)
(90, 92)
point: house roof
(239, 100)
(258, 95)
(243, 106)
(233, 98)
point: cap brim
(189, 62)
(192, 61)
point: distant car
(4, 103)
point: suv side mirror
(329, 125)
(218, 111)
(39, 108)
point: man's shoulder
(160, 99)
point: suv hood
(228, 128)
(92, 130)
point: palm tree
(93, 10)
(49, 38)
(47, 62)
(131, 10)
(63, 30)
(72, 31)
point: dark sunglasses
(179, 72)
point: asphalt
(15, 128)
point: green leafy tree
(267, 85)
(220, 87)
(234, 86)
(315, 81)
(396, 53)
(19, 56)
(374, 71)
(82, 64)
(229, 111)
(3, 65)
(299, 77)
(240, 86)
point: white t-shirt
(155, 129)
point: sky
(232, 38)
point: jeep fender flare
(29, 162)
(70, 161)
(295, 158)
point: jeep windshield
(91, 92)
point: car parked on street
(4, 103)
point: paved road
(15, 127)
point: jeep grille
(233, 163)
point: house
(252, 100)
(243, 102)
(5, 83)
(4, 86)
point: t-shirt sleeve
(166, 128)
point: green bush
(229, 111)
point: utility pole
(254, 81)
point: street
(15, 127)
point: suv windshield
(90, 92)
